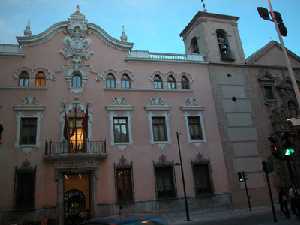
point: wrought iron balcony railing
(62, 150)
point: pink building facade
(90, 125)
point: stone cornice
(119, 108)
(29, 108)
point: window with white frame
(24, 79)
(157, 82)
(159, 129)
(195, 128)
(28, 131)
(76, 81)
(120, 130)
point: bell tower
(215, 36)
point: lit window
(76, 81)
(120, 129)
(171, 82)
(24, 79)
(76, 134)
(125, 82)
(157, 82)
(40, 80)
(164, 177)
(159, 128)
(195, 129)
(185, 84)
(110, 81)
(28, 132)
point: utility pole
(183, 180)
(288, 63)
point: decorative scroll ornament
(76, 42)
(157, 101)
(191, 101)
(29, 100)
(119, 101)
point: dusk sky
(152, 25)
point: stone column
(60, 199)
(93, 193)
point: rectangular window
(120, 129)
(159, 128)
(201, 179)
(28, 131)
(165, 187)
(25, 185)
(124, 185)
(268, 91)
(195, 129)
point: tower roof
(201, 14)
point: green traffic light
(289, 152)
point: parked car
(128, 220)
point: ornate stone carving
(29, 100)
(119, 101)
(123, 163)
(191, 101)
(156, 101)
(163, 161)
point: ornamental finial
(123, 36)
(27, 31)
(204, 6)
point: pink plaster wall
(141, 152)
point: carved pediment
(119, 104)
(157, 103)
(266, 76)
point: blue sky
(151, 24)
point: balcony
(64, 151)
(139, 55)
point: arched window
(185, 83)
(40, 79)
(24, 79)
(110, 81)
(157, 82)
(194, 45)
(76, 81)
(224, 45)
(125, 81)
(171, 82)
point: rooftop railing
(151, 56)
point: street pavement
(258, 216)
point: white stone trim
(166, 115)
(193, 113)
(126, 114)
(32, 114)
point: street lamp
(183, 180)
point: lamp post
(183, 180)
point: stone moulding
(62, 26)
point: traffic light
(242, 176)
(287, 147)
(264, 13)
(281, 26)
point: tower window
(224, 45)
(194, 45)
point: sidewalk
(258, 215)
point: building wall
(141, 152)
